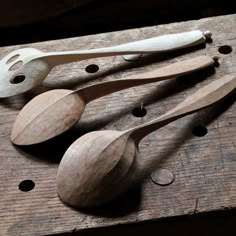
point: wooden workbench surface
(204, 167)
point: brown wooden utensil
(52, 113)
(102, 164)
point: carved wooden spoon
(52, 113)
(101, 164)
(23, 69)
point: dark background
(33, 21)
(215, 223)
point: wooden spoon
(23, 69)
(102, 164)
(52, 113)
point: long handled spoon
(23, 69)
(99, 165)
(52, 113)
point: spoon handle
(156, 44)
(203, 98)
(170, 71)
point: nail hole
(17, 79)
(199, 131)
(209, 40)
(26, 185)
(92, 68)
(225, 49)
(216, 60)
(11, 59)
(139, 112)
(16, 66)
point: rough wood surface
(204, 167)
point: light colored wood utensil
(23, 69)
(102, 164)
(52, 113)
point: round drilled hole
(26, 185)
(199, 131)
(17, 79)
(92, 68)
(139, 112)
(209, 40)
(216, 60)
(225, 49)
(13, 58)
(16, 66)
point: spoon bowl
(49, 104)
(97, 172)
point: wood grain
(204, 167)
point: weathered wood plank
(204, 167)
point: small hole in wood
(13, 58)
(216, 60)
(199, 131)
(16, 66)
(209, 40)
(17, 79)
(139, 112)
(26, 185)
(92, 68)
(225, 49)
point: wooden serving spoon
(52, 113)
(23, 69)
(101, 164)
